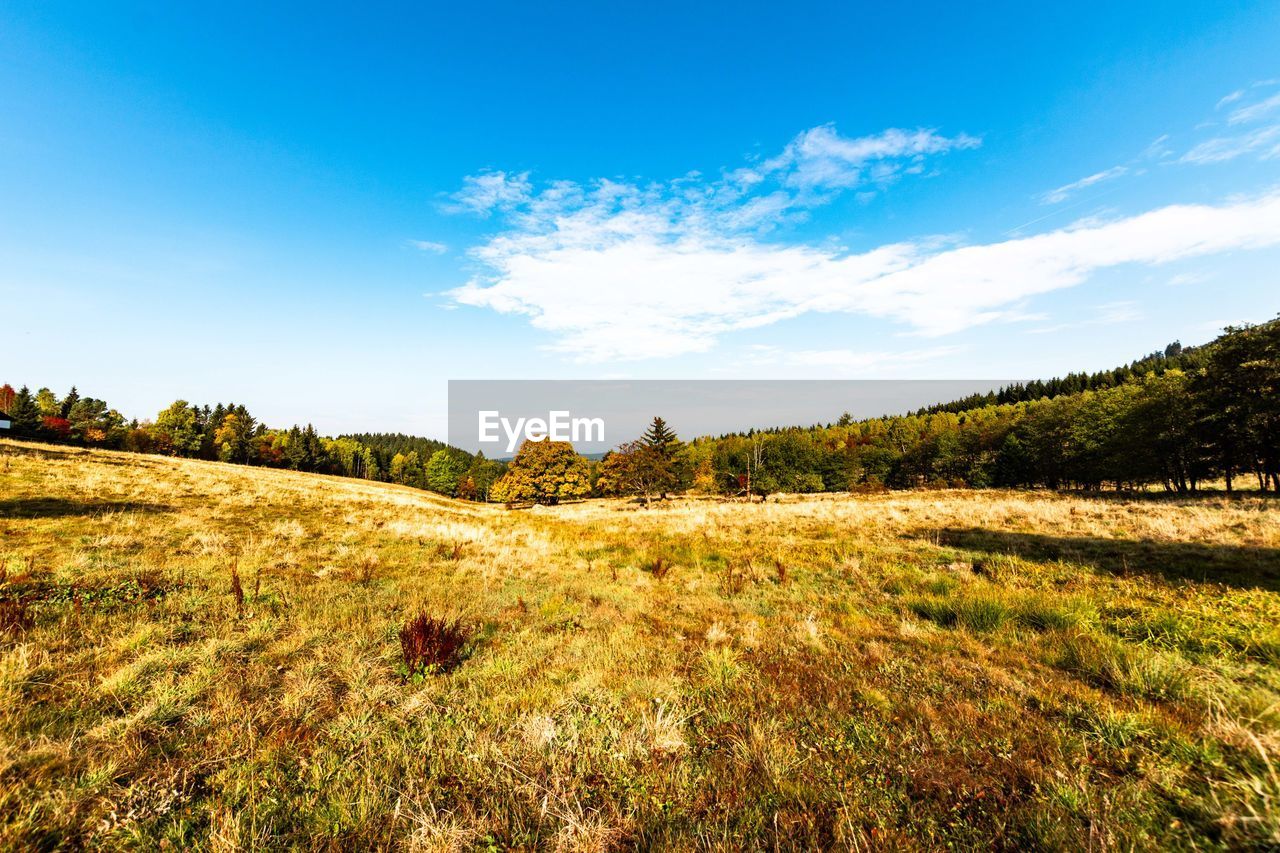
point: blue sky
(327, 214)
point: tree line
(1177, 419)
(229, 433)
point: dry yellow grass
(918, 670)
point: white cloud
(1263, 142)
(1062, 193)
(429, 246)
(813, 168)
(1253, 112)
(490, 191)
(619, 272)
(820, 158)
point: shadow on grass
(1243, 566)
(63, 508)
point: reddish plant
(431, 645)
(61, 427)
(237, 591)
(14, 617)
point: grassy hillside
(916, 669)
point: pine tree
(25, 413)
(660, 437)
(73, 397)
(664, 444)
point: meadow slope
(909, 670)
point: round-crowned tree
(543, 472)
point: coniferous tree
(665, 446)
(25, 413)
(73, 397)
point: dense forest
(1176, 419)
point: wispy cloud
(1264, 142)
(429, 246)
(1229, 98)
(1064, 192)
(1254, 112)
(1184, 279)
(1107, 314)
(621, 271)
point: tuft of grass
(1118, 729)
(1248, 801)
(981, 612)
(1123, 668)
(1042, 612)
(431, 645)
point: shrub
(430, 645)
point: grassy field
(912, 670)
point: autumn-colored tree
(7, 395)
(48, 403)
(232, 439)
(544, 472)
(635, 468)
(59, 428)
(406, 469)
(704, 477)
(467, 489)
